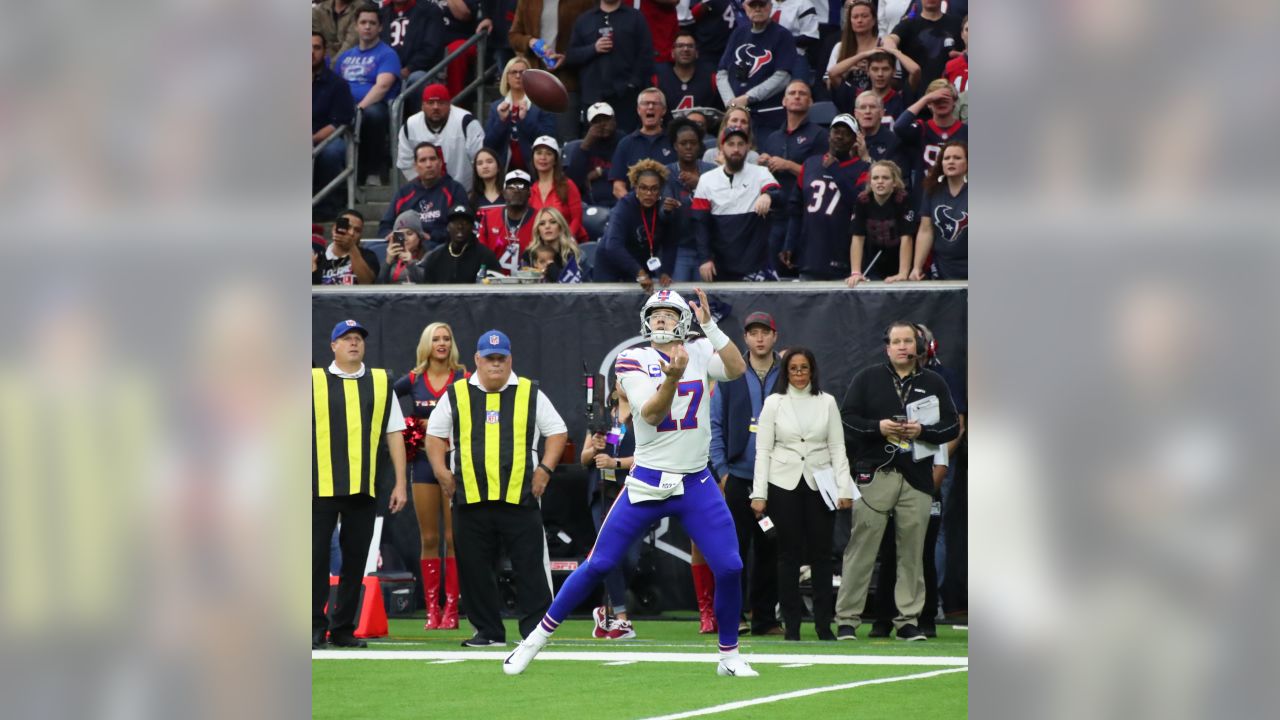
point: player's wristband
(544, 467)
(715, 334)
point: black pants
(760, 585)
(358, 515)
(804, 531)
(885, 607)
(479, 531)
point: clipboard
(926, 411)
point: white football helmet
(671, 300)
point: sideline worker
(496, 429)
(354, 411)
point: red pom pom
(415, 434)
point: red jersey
(508, 240)
(957, 73)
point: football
(545, 90)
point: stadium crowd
(787, 139)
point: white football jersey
(682, 441)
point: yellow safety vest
(493, 434)
(349, 419)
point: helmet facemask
(673, 303)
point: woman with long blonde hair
(437, 367)
(882, 225)
(551, 231)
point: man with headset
(887, 409)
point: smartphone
(398, 236)
(343, 223)
(899, 419)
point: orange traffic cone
(373, 614)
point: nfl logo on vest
(491, 417)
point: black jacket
(619, 73)
(873, 396)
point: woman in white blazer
(800, 460)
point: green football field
(669, 671)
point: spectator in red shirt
(552, 189)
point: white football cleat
(524, 654)
(735, 666)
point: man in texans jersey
(756, 66)
(821, 208)
(926, 137)
(667, 383)
(877, 138)
(684, 81)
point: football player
(667, 384)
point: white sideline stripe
(960, 627)
(445, 662)
(802, 693)
(796, 665)
(702, 657)
(622, 662)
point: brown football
(545, 90)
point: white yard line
(801, 693)
(622, 662)
(796, 665)
(701, 657)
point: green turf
(566, 690)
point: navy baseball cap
(493, 342)
(730, 132)
(345, 327)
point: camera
(597, 404)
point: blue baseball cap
(493, 342)
(346, 326)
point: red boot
(431, 592)
(704, 586)
(450, 619)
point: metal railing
(480, 39)
(348, 174)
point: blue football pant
(702, 511)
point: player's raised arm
(730, 355)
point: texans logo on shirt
(746, 55)
(950, 226)
(430, 213)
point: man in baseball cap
(590, 163)
(507, 229)
(735, 409)
(351, 403)
(463, 259)
(457, 133)
(496, 420)
(817, 247)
